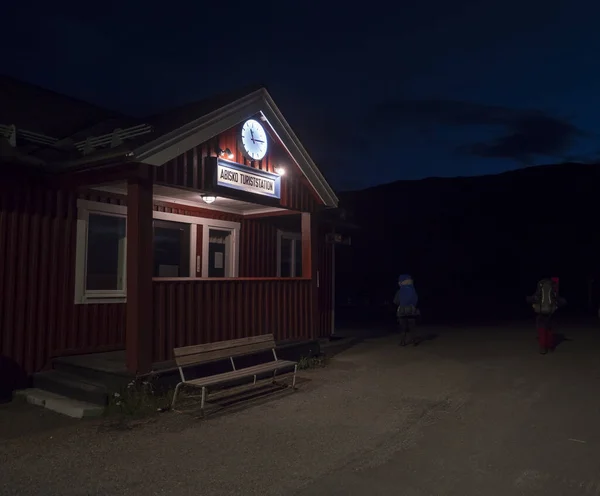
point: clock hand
(258, 141)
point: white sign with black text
(261, 183)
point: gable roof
(68, 120)
(188, 126)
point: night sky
(423, 88)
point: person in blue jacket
(406, 299)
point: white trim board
(170, 145)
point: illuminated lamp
(280, 171)
(208, 198)
(226, 153)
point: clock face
(254, 139)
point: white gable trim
(173, 144)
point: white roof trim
(174, 143)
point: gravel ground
(474, 412)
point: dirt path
(472, 412)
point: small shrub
(140, 397)
(311, 362)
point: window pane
(105, 261)
(218, 242)
(286, 257)
(298, 260)
(171, 249)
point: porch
(216, 271)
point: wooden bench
(190, 356)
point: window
(183, 246)
(219, 242)
(101, 255)
(171, 249)
(105, 261)
(289, 254)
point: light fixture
(280, 171)
(208, 198)
(226, 153)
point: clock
(253, 139)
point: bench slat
(241, 373)
(222, 345)
(211, 356)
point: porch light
(208, 198)
(280, 171)
(226, 153)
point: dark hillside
(476, 246)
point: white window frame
(231, 255)
(85, 207)
(287, 235)
(83, 295)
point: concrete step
(71, 386)
(60, 404)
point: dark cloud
(529, 136)
(434, 112)
(523, 133)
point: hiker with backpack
(545, 302)
(406, 300)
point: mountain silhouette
(476, 246)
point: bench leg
(255, 380)
(294, 379)
(175, 394)
(274, 372)
(202, 401)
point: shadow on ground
(233, 400)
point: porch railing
(194, 311)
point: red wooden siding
(187, 170)
(39, 319)
(190, 312)
(38, 316)
(258, 249)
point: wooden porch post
(309, 263)
(138, 338)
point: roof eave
(156, 151)
(108, 156)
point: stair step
(111, 380)
(71, 386)
(61, 404)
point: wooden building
(204, 223)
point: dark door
(216, 260)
